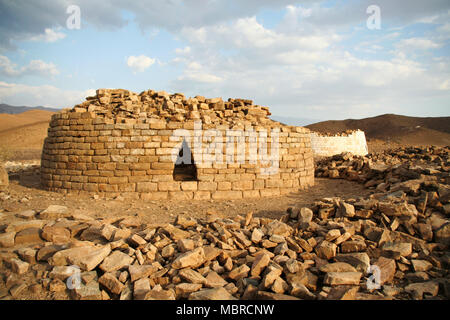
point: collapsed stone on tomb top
(122, 104)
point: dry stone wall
(118, 142)
(4, 179)
(329, 145)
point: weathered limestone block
(4, 178)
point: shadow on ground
(28, 177)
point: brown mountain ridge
(394, 128)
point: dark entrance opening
(185, 169)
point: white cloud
(7, 67)
(418, 43)
(442, 32)
(299, 11)
(49, 35)
(89, 92)
(44, 95)
(153, 33)
(20, 19)
(309, 73)
(392, 35)
(351, 13)
(161, 63)
(35, 67)
(428, 19)
(185, 50)
(249, 33)
(194, 66)
(444, 86)
(40, 67)
(445, 28)
(200, 77)
(139, 63)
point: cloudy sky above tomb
(304, 59)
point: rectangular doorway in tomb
(185, 168)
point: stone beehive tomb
(156, 145)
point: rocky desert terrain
(374, 227)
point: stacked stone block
(327, 145)
(97, 148)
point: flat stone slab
(30, 235)
(53, 211)
(359, 260)
(430, 287)
(87, 258)
(403, 249)
(22, 225)
(116, 261)
(212, 294)
(27, 214)
(141, 271)
(192, 276)
(7, 239)
(90, 291)
(337, 267)
(18, 266)
(342, 278)
(47, 252)
(192, 259)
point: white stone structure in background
(329, 145)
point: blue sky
(303, 59)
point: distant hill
(23, 134)
(6, 108)
(16, 121)
(291, 121)
(394, 128)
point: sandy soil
(25, 194)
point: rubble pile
(123, 105)
(420, 174)
(323, 252)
